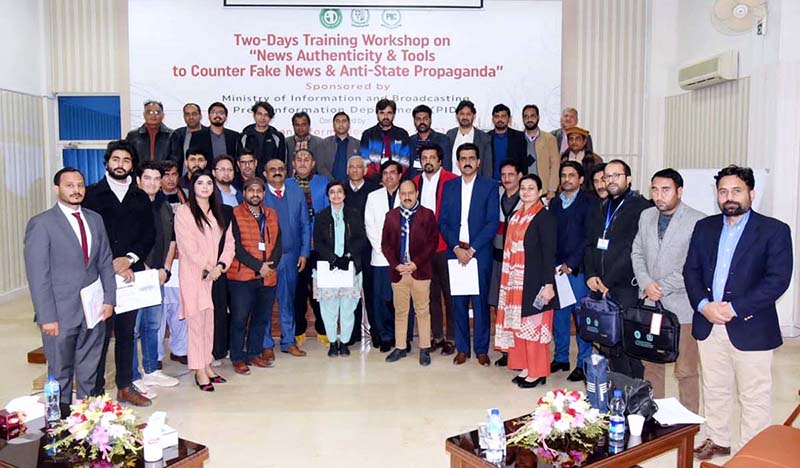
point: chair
(774, 447)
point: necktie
(279, 193)
(84, 242)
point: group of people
(341, 225)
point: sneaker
(216, 363)
(143, 389)
(159, 379)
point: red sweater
(444, 177)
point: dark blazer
(540, 254)
(422, 245)
(517, 147)
(327, 154)
(56, 271)
(200, 139)
(484, 216)
(572, 229)
(484, 143)
(614, 266)
(130, 224)
(355, 237)
(434, 138)
(232, 142)
(760, 273)
(140, 140)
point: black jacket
(614, 266)
(272, 147)
(200, 139)
(164, 232)
(232, 144)
(540, 255)
(140, 140)
(517, 148)
(355, 236)
(130, 224)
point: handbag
(600, 320)
(595, 368)
(638, 394)
(638, 342)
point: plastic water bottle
(616, 428)
(52, 396)
(496, 443)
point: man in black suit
(507, 143)
(128, 218)
(193, 135)
(223, 140)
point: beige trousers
(419, 291)
(726, 370)
(687, 371)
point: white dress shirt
(466, 199)
(273, 189)
(429, 186)
(356, 188)
(73, 222)
(578, 157)
(461, 139)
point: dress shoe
(460, 358)
(503, 361)
(424, 357)
(396, 355)
(209, 387)
(182, 359)
(483, 359)
(323, 339)
(436, 343)
(300, 339)
(710, 450)
(294, 351)
(343, 350)
(334, 349)
(532, 383)
(576, 375)
(218, 379)
(268, 355)
(518, 380)
(408, 346)
(556, 366)
(130, 395)
(448, 348)
(160, 365)
(260, 362)
(385, 347)
(241, 368)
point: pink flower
(100, 438)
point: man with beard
(193, 135)
(151, 140)
(66, 249)
(246, 165)
(598, 184)
(262, 139)
(578, 151)
(252, 276)
(569, 119)
(468, 222)
(223, 140)
(289, 202)
(222, 169)
(507, 143)
(467, 133)
(431, 185)
(337, 149)
(542, 156)
(611, 228)
(302, 138)
(196, 160)
(385, 142)
(739, 263)
(425, 135)
(128, 219)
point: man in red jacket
(410, 236)
(429, 184)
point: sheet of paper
(566, 297)
(144, 291)
(336, 278)
(92, 301)
(463, 278)
(671, 411)
(173, 280)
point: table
(31, 454)
(465, 451)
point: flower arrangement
(563, 429)
(97, 428)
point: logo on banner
(390, 18)
(359, 17)
(331, 18)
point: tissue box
(10, 424)
(169, 436)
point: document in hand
(144, 291)
(463, 278)
(336, 278)
(566, 297)
(92, 301)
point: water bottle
(52, 396)
(616, 427)
(496, 443)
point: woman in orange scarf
(524, 325)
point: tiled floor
(340, 413)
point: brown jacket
(247, 236)
(549, 160)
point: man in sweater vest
(252, 276)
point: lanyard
(610, 217)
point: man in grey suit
(658, 255)
(467, 133)
(302, 138)
(66, 249)
(337, 149)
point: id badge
(602, 244)
(262, 247)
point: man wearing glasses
(611, 228)
(193, 135)
(222, 169)
(223, 140)
(246, 165)
(151, 140)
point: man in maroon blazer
(410, 238)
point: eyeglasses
(217, 113)
(276, 169)
(224, 169)
(609, 177)
(153, 112)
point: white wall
(23, 27)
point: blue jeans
(287, 284)
(148, 323)
(562, 320)
(249, 299)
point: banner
(323, 61)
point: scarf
(405, 230)
(306, 188)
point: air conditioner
(717, 69)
